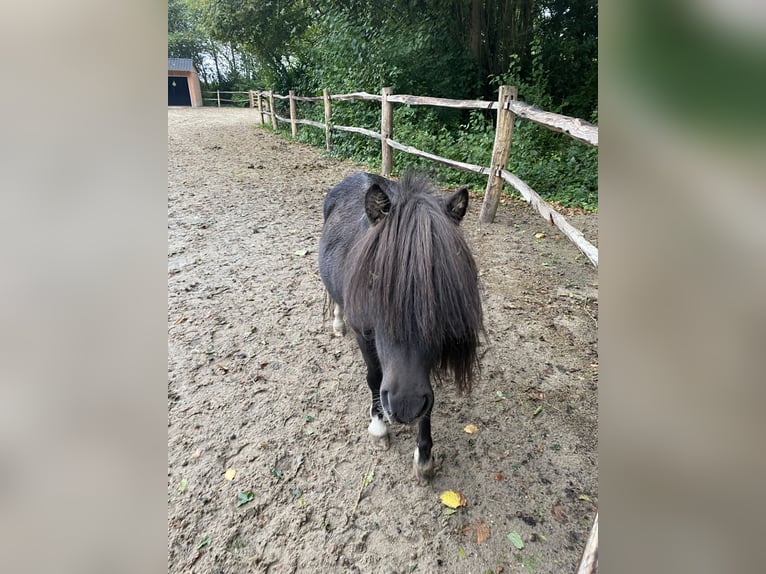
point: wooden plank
(293, 115)
(552, 216)
(278, 96)
(273, 114)
(364, 132)
(386, 132)
(260, 107)
(281, 119)
(575, 128)
(450, 162)
(589, 560)
(442, 102)
(500, 151)
(327, 119)
(319, 125)
(356, 96)
(309, 98)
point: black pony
(394, 260)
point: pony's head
(414, 287)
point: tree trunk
(474, 41)
(217, 67)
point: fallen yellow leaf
(471, 429)
(452, 498)
(230, 474)
(539, 235)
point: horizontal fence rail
(218, 99)
(575, 128)
(437, 158)
(507, 108)
(442, 102)
(555, 218)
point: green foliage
(547, 48)
(186, 38)
(558, 168)
(567, 36)
(469, 141)
(353, 49)
(268, 30)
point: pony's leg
(424, 462)
(338, 325)
(377, 429)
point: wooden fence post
(252, 99)
(293, 115)
(327, 119)
(218, 95)
(386, 131)
(500, 150)
(271, 108)
(260, 106)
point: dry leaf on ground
(482, 531)
(558, 513)
(471, 429)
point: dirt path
(257, 383)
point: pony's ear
(376, 204)
(457, 204)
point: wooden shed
(183, 83)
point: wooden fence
(507, 107)
(220, 97)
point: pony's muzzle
(404, 410)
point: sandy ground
(256, 383)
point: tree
(266, 29)
(186, 38)
(568, 35)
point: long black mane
(415, 281)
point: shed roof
(180, 64)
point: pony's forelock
(415, 281)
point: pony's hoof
(339, 329)
(423, 472)
(381, 442)
(338, 324)
(379, 433)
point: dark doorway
(178, 91)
